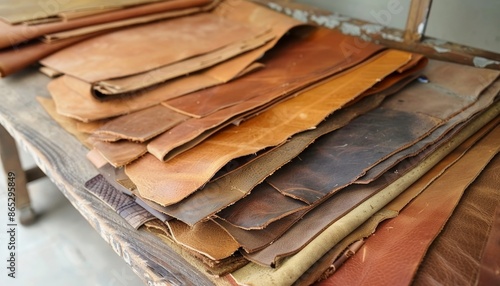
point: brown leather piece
(124, 205)
(321, 169)
(482, 103)
(229, 189)
(250, 212)
(15, 34)
(322, 216)
(307, 60)
(490, 262)
(142, 125)
(104, 54)
(318, 272)
(257, 239)
(119, 153)
(270, 128)
(208, 238)
(15, 59)
(455, 256)
(408, 236)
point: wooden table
(63, 159)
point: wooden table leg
(12, 169)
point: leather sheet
(393, 208)
(346, 199)
(408, 236)
(207, 238)
(270, 128)
(15, 34)
(307, 60)
(232, 187)
(124, 205)
(105, 54)
(142, 125)
(456, 255)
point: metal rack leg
(11, 164)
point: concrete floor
(61, 248)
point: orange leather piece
(169, 182)
(392, 255)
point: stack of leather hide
(269, 151)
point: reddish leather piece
(15, 59)
(393, 254)
(322, 169)
(142, 125)
(114, 54)
(456, 257)
(259, 209)
(312, 58)
(15, 34)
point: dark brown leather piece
(322, 168)
(124, 205)
(482, 103)
(15, 34)
(251, 212)
(172, 181)
(313, 57)
(408, 236)
(455, 256)
(228, 189)
(105, 54)
(326, 213)
(490, 261)
(142, 125)
(257, 239)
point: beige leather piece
(322, 268)
(208, 238)
(142, 125)
(408, 236)
(162, 74)
(49, 72)
(68, 124)
(115, 54)
(15, 34)
(184, 174)
(16, 11)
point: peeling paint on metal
(275, 6)
(350, 29)
(372, 28)
(483, 62)
(441, 50)
(326, 21)
(392, 37)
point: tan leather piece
(67, 123)
(193, 64)
(312, 57)
(490, 262)
(407, 237)
(292, 267)
(88, 127)
(17, 58)
(297, 114)
(15, 34)
(105, 54)
(456, 256)
(237, 184)
(20, 11)
(142, 125)
(119, 153)
(208, 238)
(366, 229)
